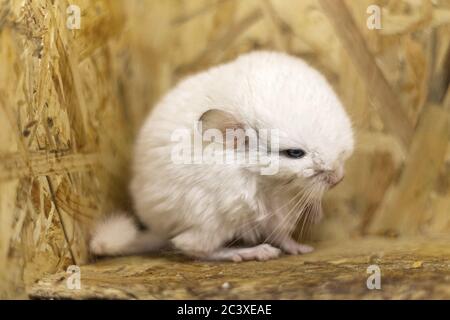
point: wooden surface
(59, 113)
(406, 205)
(410, 269)
(391, 109)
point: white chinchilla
(199, 208)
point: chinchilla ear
(226, 125)
(220, 120)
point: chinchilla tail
(119, 234)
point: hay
(71, 101)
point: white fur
(118, 234)
(201, 207)
(112, 236)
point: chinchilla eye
(295, 153)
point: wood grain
(385, 100)
(409, 270)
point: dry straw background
(72, 100)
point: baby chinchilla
(199, 207)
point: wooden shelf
(410, 269)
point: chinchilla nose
(334, 177)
